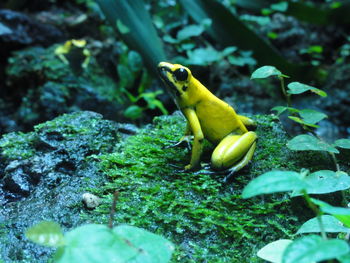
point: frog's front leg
(234, 152)
(196, 130)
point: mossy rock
(40, 86)
(43, 175)
(207, 219)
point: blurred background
(61, 56)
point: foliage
(135, 27)
(229, 30)
(310, 248)
(99, 243)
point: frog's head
(175, 76)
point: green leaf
(305, 142)
(274, 181)
(330, 225)
(298, 120)
(313, 249)
(273, 251)
(122, 28)
(125, 75)
(133, 112)
(95, 243)
(98, 243)
(203, 56)
(152, 248)
(241, 60)
(142, 35)
(46, 234)
(326, 181)
(298, 88)
(281, 109)
(344, 258)
(342, 143)
(312, 116)
(265, 72)
(135, 61)
(189, 31)
(341, 213)
(281, 6)
(228, 50)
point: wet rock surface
(43, 175)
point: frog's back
(217, 119)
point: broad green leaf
(95, 243)
(189, 31)
(330, 225)
(342, 143)
(153, 248)
(298, 88)
(265, 72)
(312, 116)
(142, 35)
(326, 181)
(274, 181)
(273, 251)
(203, 56)
(241, 61)
(98, 243)
(133, 112)
(341, 213)
(305, 142)
(298, 120)
(229, 50)
(281, 109)
(314, 248)
(344, 258)
(46, 233)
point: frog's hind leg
(234, 152)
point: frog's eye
(181, 74)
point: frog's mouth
(162, 71)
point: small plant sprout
(329, 219)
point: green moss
(206, 219)
(17, 145)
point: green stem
(317, 212)
(112, 212)
(285, 93)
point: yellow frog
(210, 118)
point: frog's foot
(177, 169)
(233, 153)
(248, 123)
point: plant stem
(317, 212)
(112, 213)
(286, 95)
